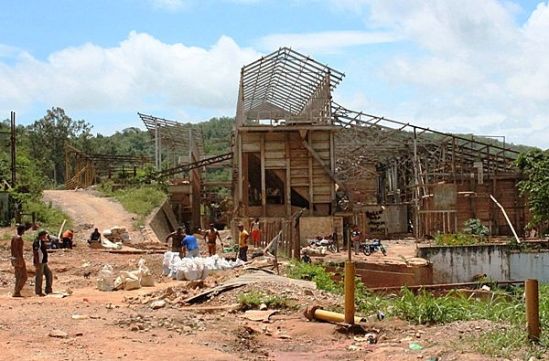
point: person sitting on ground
(177, 239)
(210, 237)
(67, 238)
(256, 233)
(243, 243)
(18, 261)
(53, 242)
(189, 246)
(95, 236)
(40, 260)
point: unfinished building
(295, 148)
(178, 144)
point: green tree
(47, 139)
(535, 166)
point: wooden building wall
(279, 157)
(472, 200)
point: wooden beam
(324, 166)
(263, 186)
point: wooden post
(263, 186)
(532, 309)
(311, 179)
(349, 290)
(288, 189)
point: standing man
(210, 237)
(18, 261)
(256, 233)
(189, 246)
(243, 243)
(356, 237)
(177, 239)
(40, 256)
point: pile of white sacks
(196, 268)
(126, 280)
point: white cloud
(140, 73)
(471, 67)
(169, 5)
(324, 42)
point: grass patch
(315, 273)
(47, 216)
(140, 200)
(254, 299)
(504, 307)
(458, 239)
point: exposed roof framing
(174, 135)
(285, 79)
(368, 139)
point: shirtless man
(18, 262)
(210, 237)
(177, 238)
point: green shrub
(316, 273)
(140, 200)
(254, 299)
(458, 239)
(475, 227)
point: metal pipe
(506, 217)
(532, 309)
(317, 313)
(349, 292)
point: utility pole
(13, 154)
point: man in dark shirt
(40, 258)
(17, 261)
(95, 237)
(177, 238)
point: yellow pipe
(532, 309)
(316, 313)
(349, 292)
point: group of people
(40, 260)
(186, 244)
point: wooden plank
(273, 137)
(275, 146)
(275, 155)
(276, 164)
(288, 178)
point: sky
(463, 66)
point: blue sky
(463, 66)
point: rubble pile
(117, 234)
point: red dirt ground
(121, 326)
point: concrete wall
(529, 265)
(499, 262)
(162, 221)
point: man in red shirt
(18, 261)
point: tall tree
(47, 140)
(535, 166)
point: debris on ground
(195, 268)
(127, 280)
(58, 334)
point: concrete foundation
(453, 264)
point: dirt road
(88, 208)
